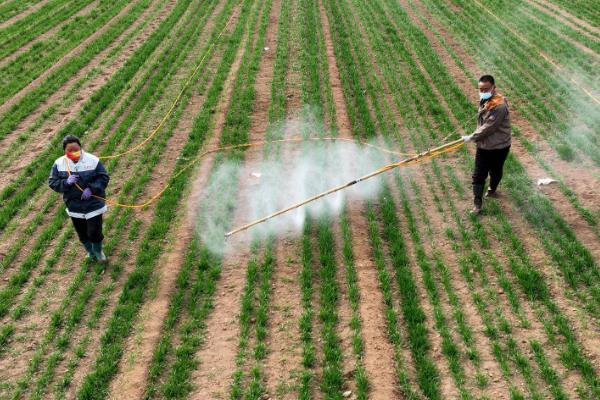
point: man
(493, 138)
(82, 180)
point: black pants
(89, 230)
(489, 162)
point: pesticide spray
(315, 177)
(271, 184)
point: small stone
(347, 393)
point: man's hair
(70, 139)
(487, 78)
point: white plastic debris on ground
(545, 181)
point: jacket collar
(494, 101)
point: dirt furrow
(580, 181)
(344, 313)
(283, 362)
(378, 351)
(378, 358)
(577, 22)
(217, 354)
(64, 59)
(343, 125)
(557, 30)
(23, 14)
(44, 134)
(130, 382)
(81, 13)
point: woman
(82, 180)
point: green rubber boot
(97, 247)
(90, 249)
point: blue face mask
(485, 96)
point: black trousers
(489, 162)
(89, 230)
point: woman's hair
(70, 139)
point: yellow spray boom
(416, 159)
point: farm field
(388, 290)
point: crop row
(25, 138)
(29, 27)
(550, 100)
(562, 148)
(56, 79)
(151, 92)
(382, 66)
(536, 208)
(29, 65)
(139, 180)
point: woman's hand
(72, 179)
(87, 194)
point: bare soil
(66, 58)
(23, 14)
(48, 130)
(378, 357)
(217, 354)
(84, 11)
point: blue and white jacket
(92, 174)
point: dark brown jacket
(493, 124)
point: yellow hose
(170, 111)
(233, 147)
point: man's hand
(72, 179)
(467, 138)
(87, 194)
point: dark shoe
(99, 253)
(90, 250)
(491, 193)
(477, 199)
(476, 210)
